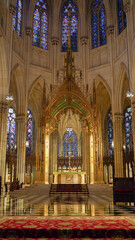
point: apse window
(40, 24)
(73, 23)
(98, 23)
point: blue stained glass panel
(94, 30)
(102, 26)
(70, 144)
(122, 21)
(98, 23)
(44, 30)
(11, 127)
(128, 127)
(74, 26)
(17, 21)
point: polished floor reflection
(35, 201)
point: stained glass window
(122, 21)
(70, 144)
(29, 131)
(40, 24)
(110, 133)
(11, 126)
(17, 20)
(98, 23)
(128, 128)
(74, 26)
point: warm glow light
(9, 98)
(69, 129)
(27, 143)
(112, 144)
(130, 94)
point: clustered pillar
(21, 147)
(3, 139)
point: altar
(69, 177)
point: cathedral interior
(67, 102)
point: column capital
(84, 40)
(127, 6)
(28, 31)
(110, 29)
(55, 41)
(20, 117)
(12, 10)
(118, 117)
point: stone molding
(20, 117)
(110, 29)
(12, 10)
(118, 117)
(84, 40)
(127, 6)
(28, 31)
(55, 41)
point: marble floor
(35, 201)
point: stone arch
(118, 87)
(35, 96)
(20, 91)
(4, 76)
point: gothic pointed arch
(40, 24)
(98, 23)
(74, 26)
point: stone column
(3, 138)
(55, 135)
(21, 147)
(118, 145)
(85, 152)
(46, 157)
(91, 159)
(84, 149)
(84, 40)
(55, 42)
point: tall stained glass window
(40, 24)
(98, 23)
(110, 133)
(122, 20)
(29, 131)
(128, 128)
(74, 25)
(17, 20)
(70, 144)
(11, 126)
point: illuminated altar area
(69, 178)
